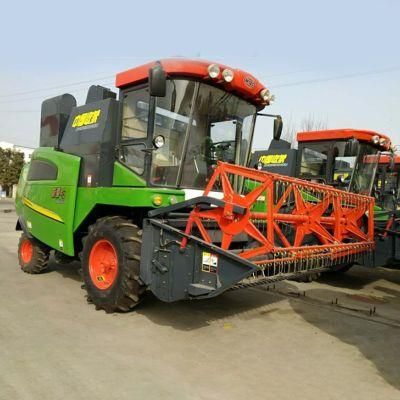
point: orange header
(343, 134)
(243, 84)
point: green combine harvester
(149, 191)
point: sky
(336, 63)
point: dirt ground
(338, 338)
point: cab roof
(243, 84)
(365, 136)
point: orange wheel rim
(103, 264)
(26, 251)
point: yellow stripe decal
(42, 210)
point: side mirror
(278, 125)
(351, 148)
(157, 80)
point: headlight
(213, 71)
(228, 75)
(382, 141)
(375, 139)
(159, 141)
(264, 94)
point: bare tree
(310, 123)
(313, 124)
(289, 131)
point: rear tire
(33, 256)
(111, 264)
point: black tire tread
(40, 258)
(130, 288)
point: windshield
(332, 162)
(365, 170)
(386, 187)
(317, 157)
(201, 124)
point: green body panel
(259, 205)
(54, 219)
(88, 198)
(44, 205)
(309, 197)
(21, 188)
(123, 176)
(380, 214)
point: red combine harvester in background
(387, 181)
(353, 160)
(387, 216)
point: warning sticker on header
(209, 262)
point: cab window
(135, 108)
(313, 163)
(40, 170)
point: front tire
(111, 264)
(33, 256)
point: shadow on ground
(359, 277)
(188, 315)
(70, 271)
(378, 342)
(195, 314)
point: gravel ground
(252, 343)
